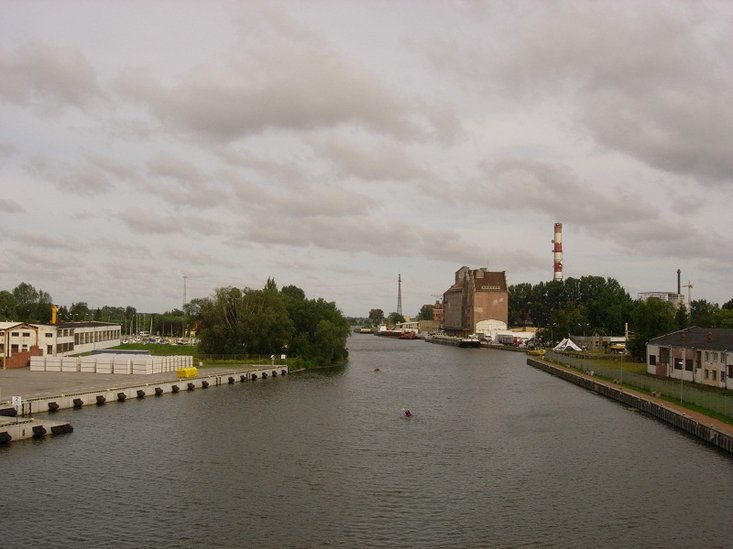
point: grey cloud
(37, 261)
(651, 80)
(167, 165)
(289, 170)
(556, 191)
(383, 161)
(83, 180)
(183, 184)
(359, 234)
(114, 167)
(49, 78)
(652, 91)
(150, 222)
(45, 240)
(672, 237)
(7, 149)
(301, 202)
(311, 89)
(10, 206)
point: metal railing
(675, 390)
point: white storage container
(38, 364)
(70, 364)
(122, 365)
(88, 364)
(53, 363)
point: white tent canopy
(565, 345)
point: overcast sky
(334, 145)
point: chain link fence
(673, 389)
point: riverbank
(712, 431)
(48, 392)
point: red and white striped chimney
(557, 251)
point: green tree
(268, 321)
(704, 314)
(394, 318)
(320, 330)
(520, 304)
(79, 311)
(649, 319)
(376, 317)
(7, 306)
(426, 312)
(32, 305)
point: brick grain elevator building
(476, 295)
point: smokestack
(557, 251)
(679, 283)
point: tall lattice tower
(399, 294)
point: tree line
(232, 322)
(24, 303)
(236, 322)
(593, 305)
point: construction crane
(689, 287)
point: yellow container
(187, 372)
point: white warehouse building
(21, 340)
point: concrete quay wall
(21, 429)
(653, 407)
(121, 393)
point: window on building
(730, 371)
(714, 357)
(48, 334)
(707, 373)
(714, 374)
(688, 364)
(15, 334)
(26, 334)
(677, 363)
(707, 356)
(653, 360)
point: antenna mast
(184, 292)
(399, 294)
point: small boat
(443, 339)
(536, 352)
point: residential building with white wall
(697, 355)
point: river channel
(497, 454)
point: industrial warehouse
(19, 341)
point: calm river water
(498, 454)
